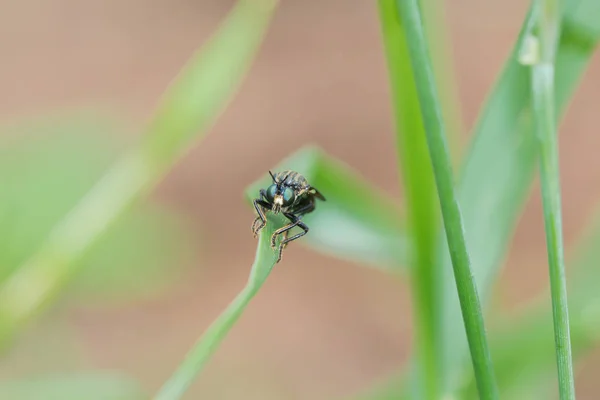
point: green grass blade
(543, 46)
(192, 103)
(197, 358)
(522, 345)
(499, 167)
(451, 214)
(498, 170)
(421, 203)
(439, 39)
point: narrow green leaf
(498, 171)
(194, 362)
(356, 223)
(451, 213)
(421, 203)
(192, 103)
(542, 92)
(522, 345)
(436, 30)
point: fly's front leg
(257, 222)
(286, 240)
(305, 229)
(294, 222)
(283, 245)
(260, 221)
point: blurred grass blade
(149, 241)
(75, 386)
(71, 151)
(187, 371)
(542, 90)
(207, 83)
(357, 222)
(191, 104)
(451, 214)
(421, 203)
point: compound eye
(271, 191)
(288, 196)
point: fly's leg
(294, 219)
(283, 245)
(294, 222)
(260, 221)
(284, 236)
(286, 240)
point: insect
(291, 195)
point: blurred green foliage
(46, 167)
(71, 199)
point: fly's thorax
(291, 179)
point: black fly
(291, 195)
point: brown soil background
(321, 328)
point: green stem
(197, 358)
(176, 386)
(542, 80)
(422, 211)
(440, 160)
(436, 33)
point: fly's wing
(316, 193)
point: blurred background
(78, 82)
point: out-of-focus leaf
(207, 83)
(356, 222)
(78, 386)
(46, 165)
(149, 242)
(191, 104)
(45, 168)
(421, 199)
